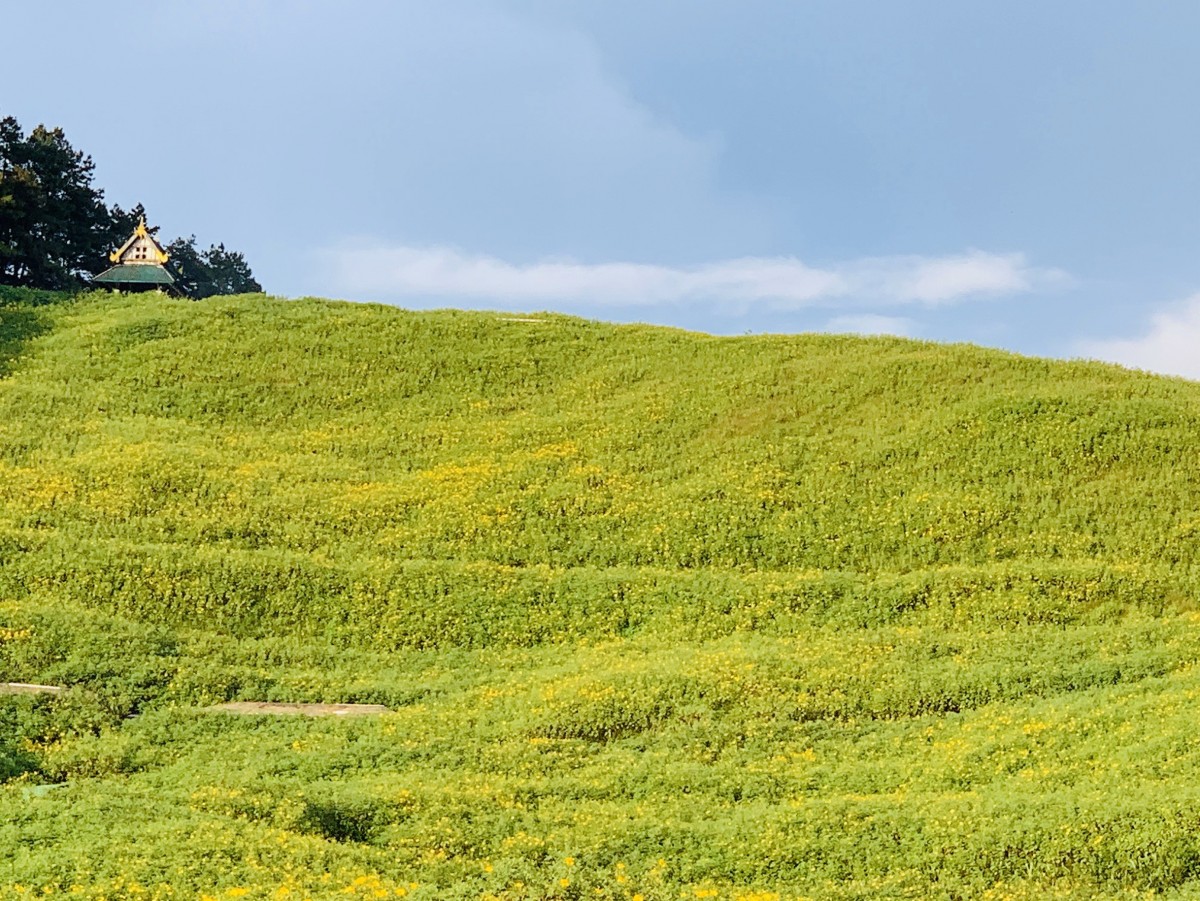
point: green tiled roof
(135, 274)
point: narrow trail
(252, 708)
(27, 688)
(241, 708)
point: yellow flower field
(656, 615)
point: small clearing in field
(249, 708)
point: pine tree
(56, 232)
(210, 272)
(54, 226)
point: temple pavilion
(138, 264)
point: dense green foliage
(54, 227)
(659, 614)
(207, 273)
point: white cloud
(779, 283)
(947, 279)
(441, 272)
(1170, 346)
(871, 324)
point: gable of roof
(141, 248)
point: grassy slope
(812, 614)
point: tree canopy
(56, 230)
(204, 273)
(54, 226)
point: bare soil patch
(26, 688)
(250, 708)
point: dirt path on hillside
(26, 688)
(249, 708)
(244, 708)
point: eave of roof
(135, 274)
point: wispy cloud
(937, 280)
(443, 273)
(1171, 344)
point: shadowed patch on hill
(19, 324)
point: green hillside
(658, 614)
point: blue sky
(1015, 174)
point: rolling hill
(657, 614)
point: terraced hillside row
(657, 613)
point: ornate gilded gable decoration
(138, 264)
(140, 248)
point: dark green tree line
(204, 273)
(56, 231)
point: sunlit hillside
(657, 614)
